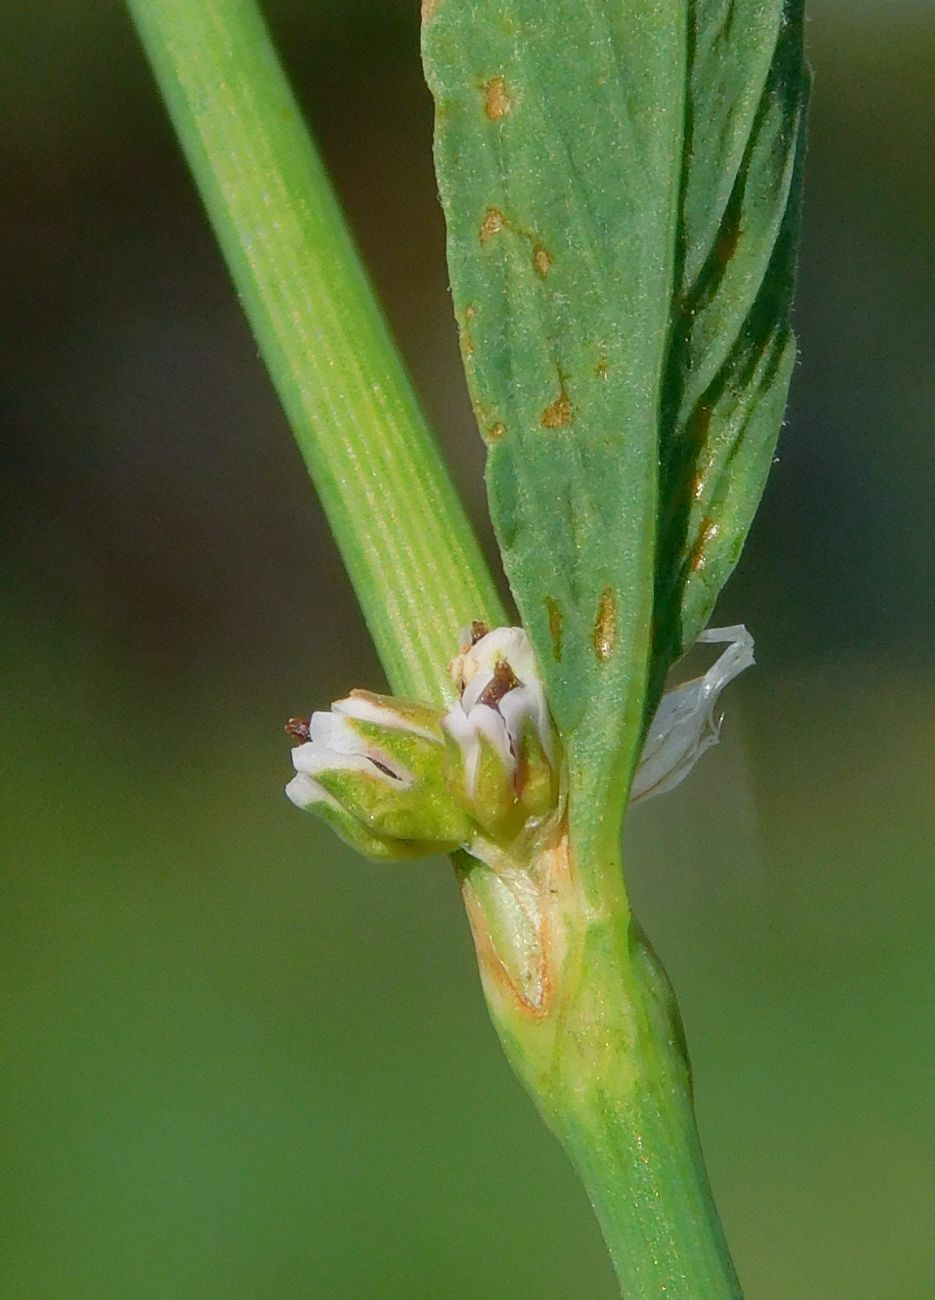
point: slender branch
(416, 568)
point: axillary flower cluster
(401, 779)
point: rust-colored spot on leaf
(605, 625)
(497, 101)
(493, 223)
(708, 532)
(556, 621)
(541, 260)
(600, 369)
(496, 431)
(558, 413)
(465, 336)
(726, 246)
(700, 423)
(428, 9)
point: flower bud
(374, 768)
(501, 741)
(684, 725)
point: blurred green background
(240, 1064)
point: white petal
(306, 793)
(684, 725)
(456, 724)
(478, 663)
(312, 758)
(335, 745)
(467, 729)
(522, 703)
(511, 644)
(366, 711)
(488, 723)
(333, 732)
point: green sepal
(422, 810)
(354, 834)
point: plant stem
(415, 565)
(600, 1050)
(596, 1039)
(635, 1145)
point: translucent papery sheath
(685, 724)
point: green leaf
(732, 350)
(618, 183)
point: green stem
(634, 1142)
(590, 1025)
(416, 568)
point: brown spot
(605, 626)
(541, 260)
(428, 9)
(700, 423)
(558, 413)
(556, 619)
(708, 532)
(298, 729)
(465, 336)
(600, 369)
(497, 102)
(726, 246)
(493, 223)
(503, 681)
(496, 431)
(699, 480)
(478, 631)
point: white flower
(398, 778)
(685, 724)
(374, 767)
(333, 744)
(502, 698)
